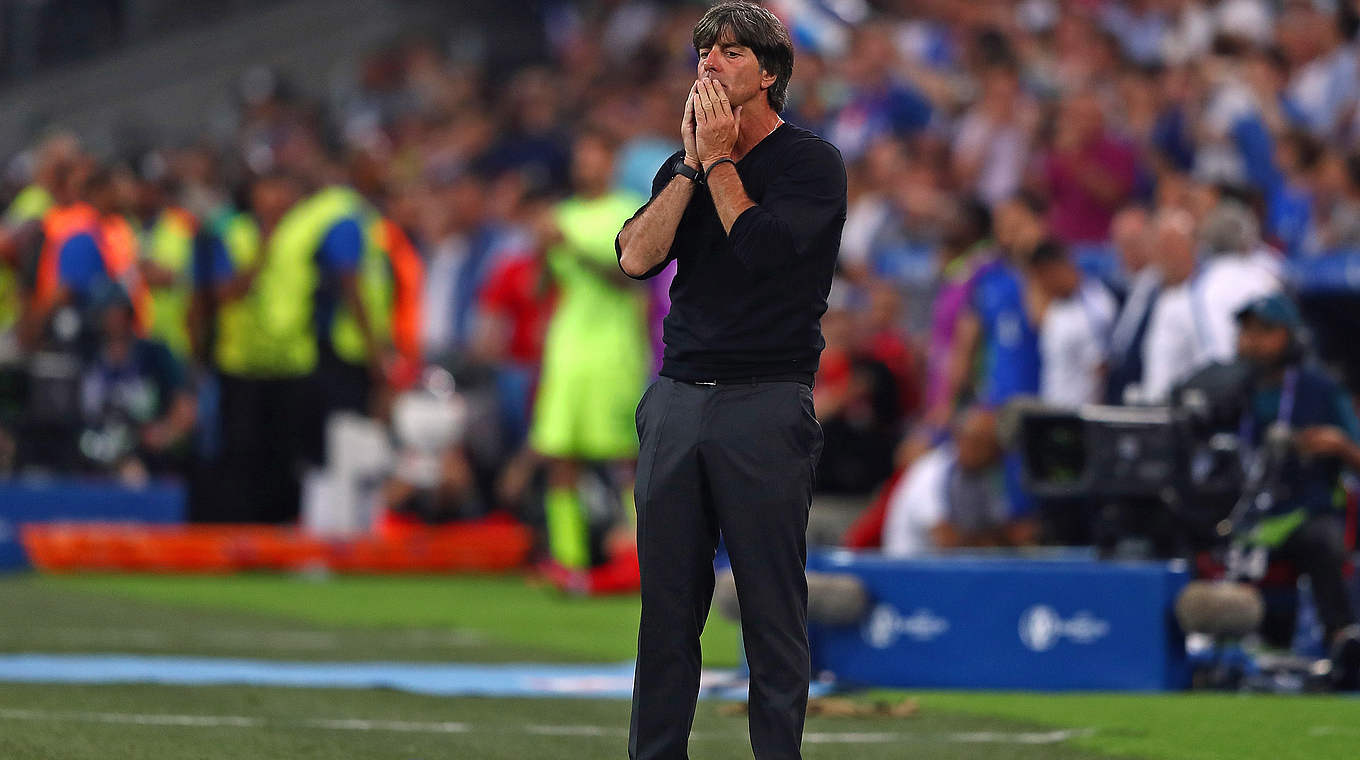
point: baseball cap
(1275, 309)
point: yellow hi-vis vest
(270, 331)
(170, 244)
(31, 204)
(376, 292)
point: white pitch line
(533, 729)
(574, 731)
(858, 737)
(1334, 731)
(1024, 737)
(358, 724)
(197, 721)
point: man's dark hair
(1353, 169)
(977, 216)
(1308, 149)
(1048, 252)
(755, 27)
(1031, 201)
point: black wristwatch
(683, 169)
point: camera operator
(136, 405)
(1303, 526)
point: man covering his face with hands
(751, 210)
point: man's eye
(733, 54)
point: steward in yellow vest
(21, 226)
(389, 285)
(276, 272)
(85, 243)
(166, 248)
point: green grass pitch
(505, 619)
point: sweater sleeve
(798, 207)
(663, 177)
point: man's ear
(766, 79)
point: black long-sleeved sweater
(748, 305)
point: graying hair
(1230, 227)
(755, 27)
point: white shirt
(1173, 346)
(440, 296)
(1000, 150)
(917, 504)
(1227, 283)
(1073, 344)
(865, 219)
(1195, 323)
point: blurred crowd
(1063, 199)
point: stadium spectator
(515, 305)
(1324, 82)
(533, 144)
(886, 342)
(1175, 344)
(873, 220)
(857, 401)
(1336, 226)
(992, 142)
(1343, 232)
(1074, 329)
(954, 497)
(879, 103)
(1238, 269)
(461, 246)
(1089, 173)
(1132, 238)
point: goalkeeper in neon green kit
(596, 355)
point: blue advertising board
(80, 501)
(1006, 624)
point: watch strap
(682, 169)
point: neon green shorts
(584, 410)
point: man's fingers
(720, 99)
(708, 97)
(720, 105)
(700, 115)
(703, 104)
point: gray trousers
(737, 460)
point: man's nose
(710, 61)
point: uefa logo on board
(886, 624)
(1041, 628)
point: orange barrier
(65, 547)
